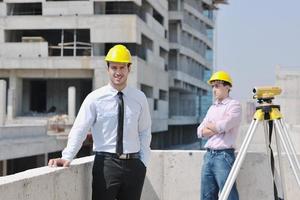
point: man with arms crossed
(220, 127)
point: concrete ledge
(18, 141)
(49, 183)
(20, 49)
(22, 131)
(171, 175)
(68, 8)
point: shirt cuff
(199, 132)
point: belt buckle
(122, 156)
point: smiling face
(118, 73)
(220, 90)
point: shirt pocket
(107, 115)
(107, 121)
(131, 116)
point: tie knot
(120, 94)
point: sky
(252, 37)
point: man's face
(219, 90)
(118, 73)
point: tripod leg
(290, 144)
(275, 173)
(286, 148)
(280, 162)
(238, 162)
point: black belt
(124, 156)
(219, 150)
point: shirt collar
(115, 91)
(224, 101)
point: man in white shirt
(119, 118)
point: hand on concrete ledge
(58, 162)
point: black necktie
(119, 147)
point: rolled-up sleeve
(231, 119)
(200, 128)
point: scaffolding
(75, 45)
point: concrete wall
(119, 28)
(22, 1)
(196, 13)
(68, 8)
(19, 131)
(101, 26)
(288, 78)
(27, 140)
(156, 26)
(187, 78)
(2, 9)
(187, 61)
(50, 63)
(151, 74)
(113, 28)
(171, 175)
(19, 50)
(258, 143)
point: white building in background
(288, 79)
(52, 56)
(191, 26)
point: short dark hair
(128, 64)
(226, 83)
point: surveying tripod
(271, 117)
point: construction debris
(57, 123)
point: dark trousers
(114, 178)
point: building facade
(52, 56)
(288, 79)
(191, 24)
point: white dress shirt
(99, 112)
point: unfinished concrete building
(191, 24)
(52, 56)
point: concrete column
(10, 107)
(2, 102)
(100, 76)
(4, 167)
(46, 159)
(198, 106)
(2, 38)
(14, 102)
(180, 5)
(71, 103)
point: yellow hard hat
(220, 76)
(118, 53)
